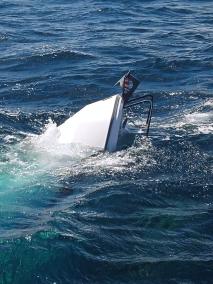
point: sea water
(140, 215)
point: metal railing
(141, 100)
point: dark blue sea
(142, 214)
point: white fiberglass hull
(96, 125)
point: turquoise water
(140, 215)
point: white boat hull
(96, 125)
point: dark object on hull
(129, 84)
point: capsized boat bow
(104, 124)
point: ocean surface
(140, 215)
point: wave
(173, 65)
(74, 160)
(48, 54)
(174, 10)
(209, 49)
(201, 119)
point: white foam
(209, 103)
(197, 122)
(10, 138)
(204, 129)
(197, 118)
(50, 153)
